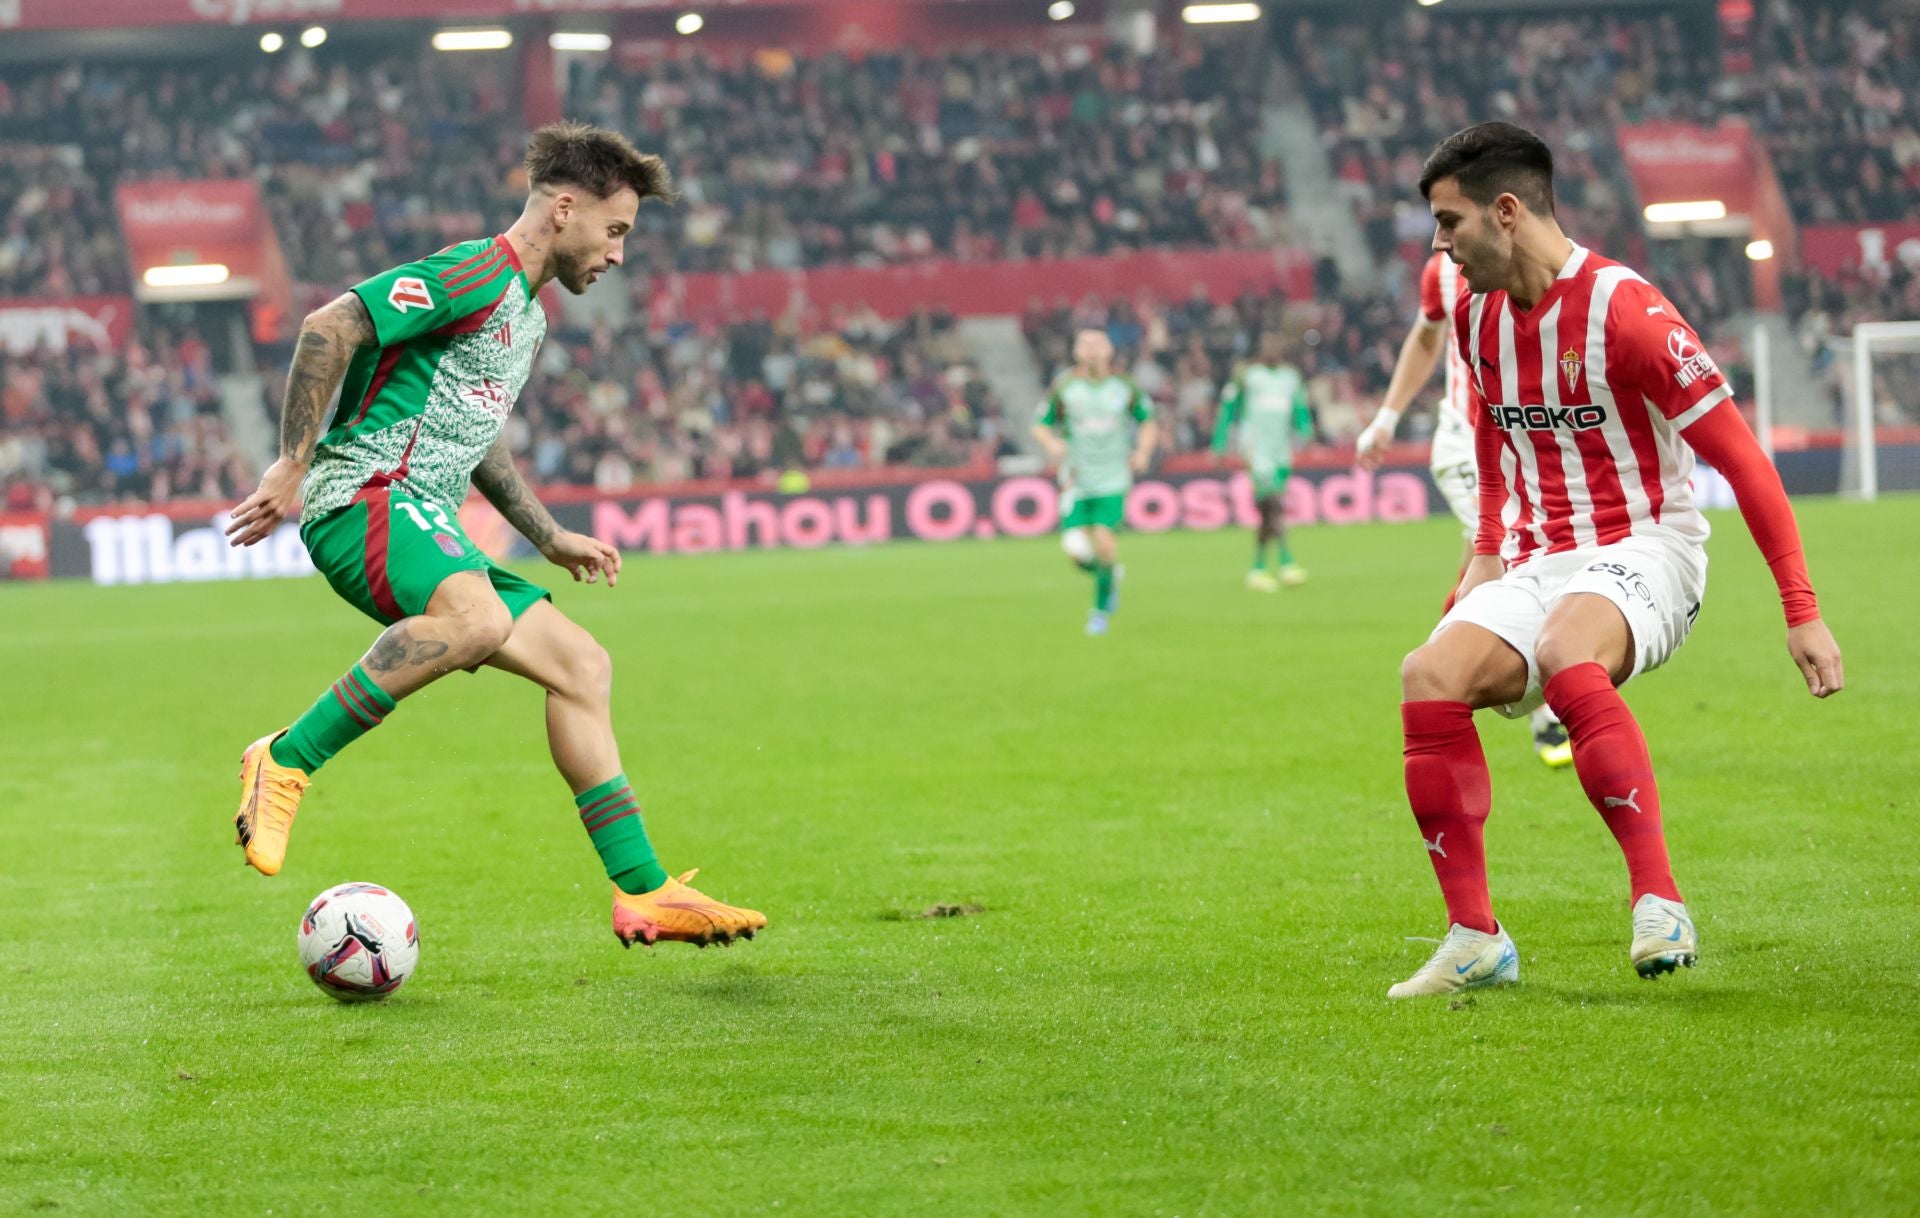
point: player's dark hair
(1492, 159)
(595, 160)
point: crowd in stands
(369, 156)
(138, 425)
(1836, 98)
(970, 154)
(1386, 91)
(364, 161)
(370, 159)
(1826, 308)
(611, 408)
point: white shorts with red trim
(1656, 580)
(1456, 473)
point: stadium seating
(138, 425)
(366, 161)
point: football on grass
(359, 942)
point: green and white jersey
(1270, 405)
(457, 335)
(1094, 415)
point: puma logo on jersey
(409, 293)
(1433, 847)
(1628, 802)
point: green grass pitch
(1189, 838)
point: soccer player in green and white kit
(1083, 428)
(428, 359)
(1268, 399)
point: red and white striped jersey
(1441, 289)
(1580, 404)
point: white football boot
(1663, 937)
(1465, 959)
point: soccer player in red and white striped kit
(1590, 396)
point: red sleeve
(1431, 306)
(1493, 484)
(1652, 349)
(1721, 436)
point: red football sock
(1610, 755)
(1451, 792)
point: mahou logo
(148, 550)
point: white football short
(1457, 474)
(1657, 580)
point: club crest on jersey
(1570, 367)
(492, 395)
(505, 334)
(1547, 418)
(409, 293)
(1695, 364)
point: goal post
(1884, 380)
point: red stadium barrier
(1833, 249)
(104, 323)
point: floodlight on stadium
(1760, 250)
(1216, 14)
(581, 42)
(271, 42)
(689, 23)
(472, 40)
(313, 36)
(1428, 3)
(196, 275)
(1683, 213)
(1060, 10)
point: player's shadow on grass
(1634, 992)
(739, 985)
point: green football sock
(1102, 586)
(612, 818)
(349, 709)
(1286, 555)
(1259, 555)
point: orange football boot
(269, 797)
(682, 914)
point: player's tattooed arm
(498, 479)
(328, 339)
(588, 558)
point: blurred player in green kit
(1268, 399)
(1098, 428)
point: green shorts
(1271, 481)
(1078, 513)
(387, 551)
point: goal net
(1878, 374)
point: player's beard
(572, 272)
(1481, 263)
